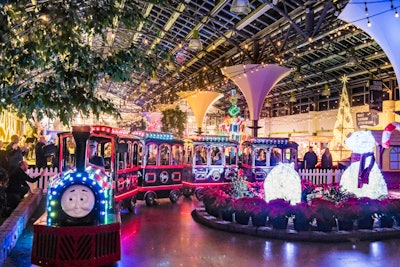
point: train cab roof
(278, 142)
(211, 139)
(149, 136)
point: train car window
(122, 155)
(135, 154)
(107, 155)
(71, 146)
(247, 155)
(230, 155)
(68, 155)
(216, 156)
(129, 158)
(261, 157)
(94, 153)
(140, 154)
(152, 154)
(177, 154)
(201, 155)
(276, 156)
(165, 152)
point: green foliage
(174, 121)
(48, 65)
(240, 187)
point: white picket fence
(44, 180)
(316, 176)
(321, 176)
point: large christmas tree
(343, 126)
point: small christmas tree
(343, 126)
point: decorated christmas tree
(343, 126)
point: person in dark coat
(310, 159)
(41, 158)
(18, 186)
(3, 157)
(3, 194)
(14, 153)
(326, 160)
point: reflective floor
(166, 235)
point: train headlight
(77, 201)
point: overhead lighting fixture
(143, 87)
(352, 60)
(195, 43)
(326, 92)
(292, 98)
(240, 7)
(297, 75)
(267, 103)
(154, 78)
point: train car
(260, 155)
(160, 173)
(81, 226)
(210, 161)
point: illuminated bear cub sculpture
(363, 177)
(283, 181)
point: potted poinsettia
(347, 212)
(279, 211)
(389, 210)
(242, 208)
(369, 209)
(302, 216)
(215, 200)
(323, 211)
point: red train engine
(81, 225)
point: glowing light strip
(126, 194)
(208, 184)
(268, 141)
(154, 135)
(209, 138)
(158, 187)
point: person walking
(326, 160)
(310, 159)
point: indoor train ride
(209, 161)
(260, 155)
(81, 226)
(160, 158)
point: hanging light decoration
(240, 7)
(154, 78)
(195, 43)
(267, 103)
(297, 75)
(292, 98)
(326, 92)
(170, 64)
(143, 87)
(352, 60)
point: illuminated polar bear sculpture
(283, 181)
(369, 181)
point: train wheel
(187, 192)
(199, 193)
(174, 195)
(132, 204)
(150, 199)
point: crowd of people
(13, 172)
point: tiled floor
(167, 235)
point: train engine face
(79, 198)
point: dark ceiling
(306, 36)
